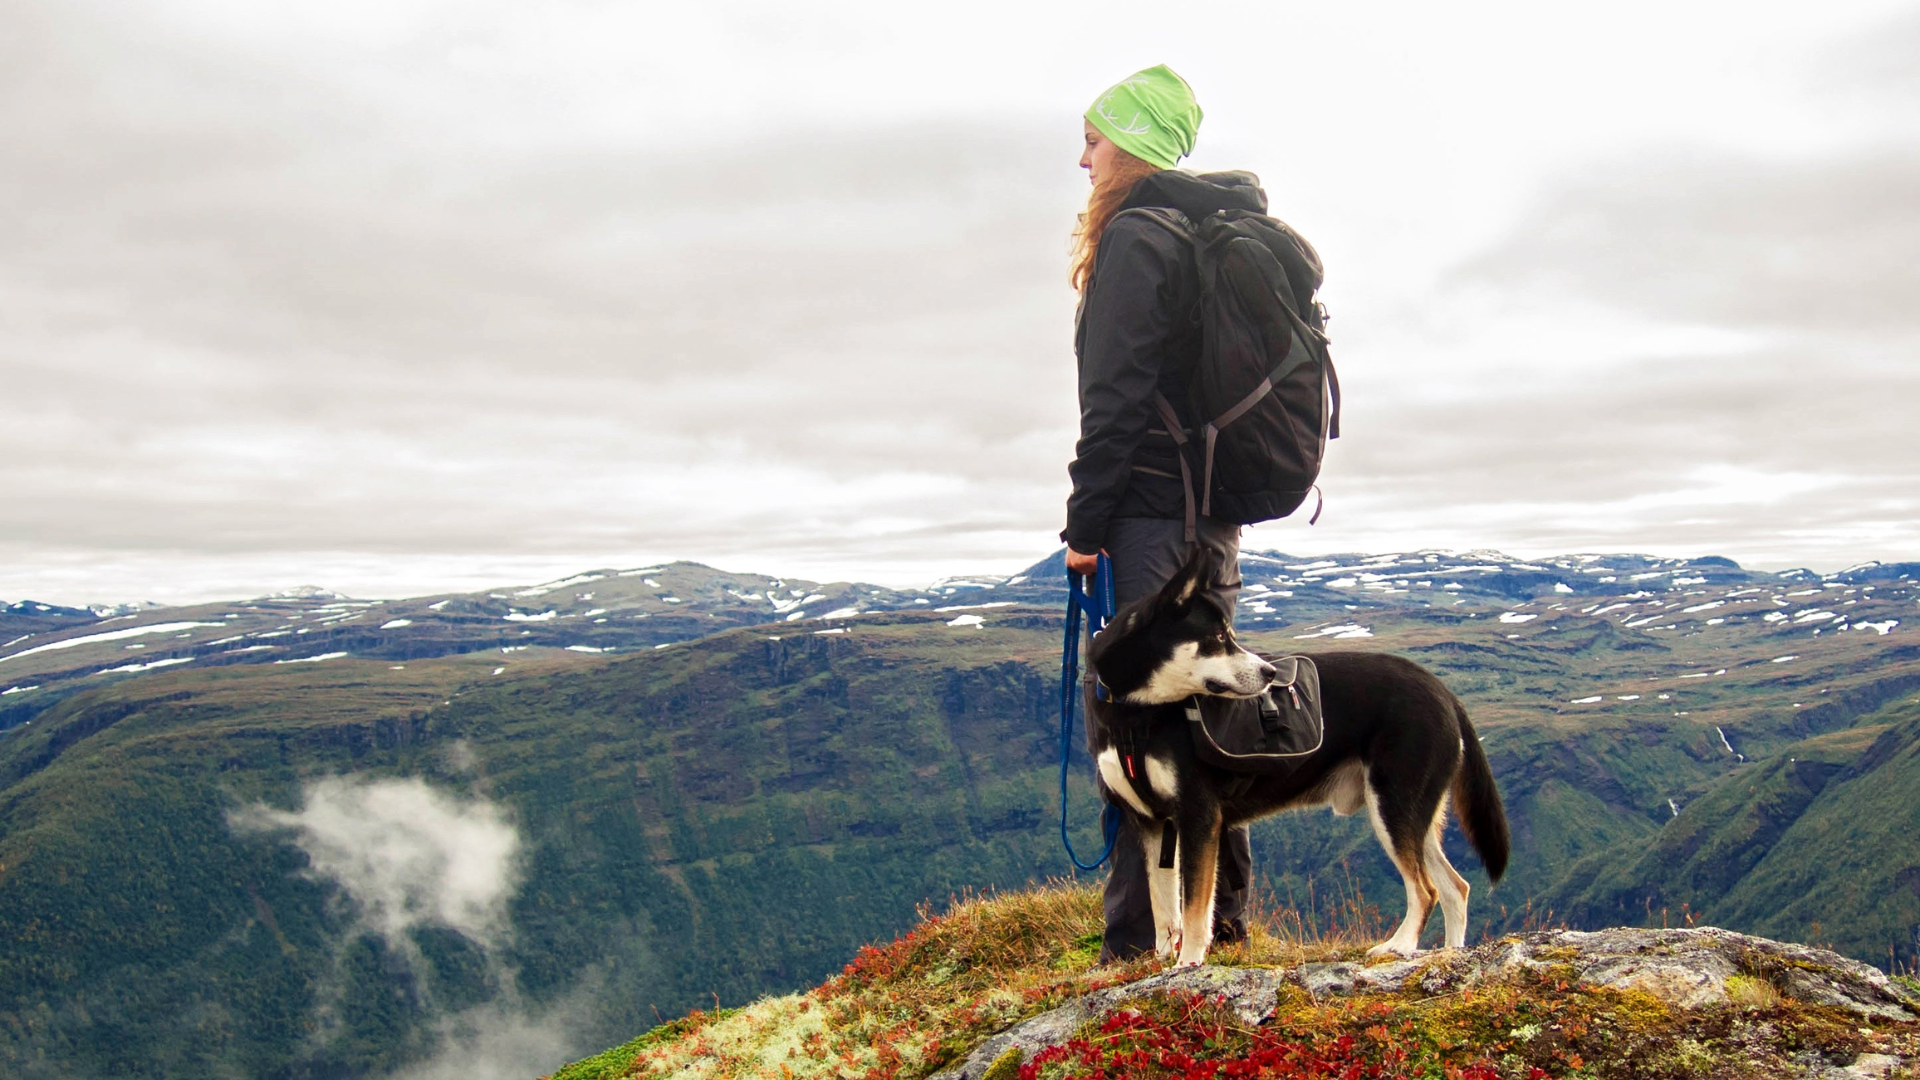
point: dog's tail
(1476, 800)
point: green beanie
(1151, 114)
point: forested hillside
(340, 866)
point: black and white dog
(1397, 743)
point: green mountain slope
(730, 816)
(1849, 867)
(735, 815)
(1821, 841)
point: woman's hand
(1084, 565)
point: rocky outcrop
(1688, 969)
(1250, 991)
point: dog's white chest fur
(1160, 778)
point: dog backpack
(1266, 734)
(1264, 390)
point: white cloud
(505, 1041)
(406, 854)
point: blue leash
(1098, 608)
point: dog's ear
(1187, 582)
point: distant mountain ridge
(46, 648)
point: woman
(1134, 336)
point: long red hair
(1107, 197)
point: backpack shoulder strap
(1179, 433)
(1175, 222)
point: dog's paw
(1192, 957)
(1166, 942)
(1388, 948)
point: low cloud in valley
(407, 856)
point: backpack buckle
(1269, 713)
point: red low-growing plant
(1196, 1038)
(876, 962)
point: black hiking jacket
(1135, 334)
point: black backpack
(1264, 386)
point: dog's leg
(1199, 863)
(1407, 855)
(1163, 888)
(1453, 888)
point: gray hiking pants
(1146, 552)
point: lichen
(1004, 1067)
(924, 1002)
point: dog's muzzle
(1261, 677)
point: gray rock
(1319, 979)
(1248, 991)
(1688, 968)
(1864, 1067)
(1029, 1037)
(1871, 1065)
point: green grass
(614, 1063)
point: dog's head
(1176, 643)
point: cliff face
(1006, 988)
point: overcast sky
(404, 296)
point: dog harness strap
(1169, 836)
(1179, 434)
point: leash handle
(1098, 608)
(1092, 594)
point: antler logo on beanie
(1150, 114)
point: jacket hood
(1199, 195)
